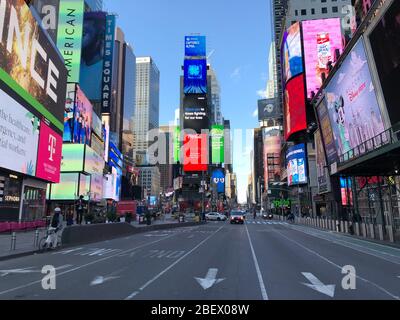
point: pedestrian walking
(80, 207)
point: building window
(303, 12)
(296, 12)
(312, 11)
(324, 10)
(335, 9)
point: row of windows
(324, 10)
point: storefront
(10, 196)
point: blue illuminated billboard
(195, 46)
(195, 77)
(296, 165)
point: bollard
(346, 227)
(372, 231)
(357, 229)
(13, 241)
(36, 242)
(380, 229)
(390, 233)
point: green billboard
(217, 144)
(177, 144)
(69, 36)
(73, 156)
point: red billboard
(295, 106)
(49, 154)
(195, 150)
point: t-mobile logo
(52, 146)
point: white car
(215, 216)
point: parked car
(237, 217)
(215, 216)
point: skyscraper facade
(94, 5)
(216, 113)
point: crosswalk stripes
(267, 222)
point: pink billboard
(321, 38)
(49, 154)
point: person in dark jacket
(80, 208)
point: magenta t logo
(52, 146)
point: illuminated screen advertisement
(385, 44)
(94, 27)
(82, 118)
(272, 149)
(48, 12)
(195, 113)
(326, 132)
(49, 154)
(94, 165)
(295, 107)
(296, 165)
(19, 136)
(69, 37)
(352, 104)
(218, 179)
(72, 157)
(217, 144)
(322, 172)
(346, 191)
(177, 144)
(97, 125)
(321, 38)
(195, 77)
(195, 46)
(30, 65)
(195, 150)
(292, 60)
(268, 109)
(69, 113)
(71, 186)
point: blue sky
(237, 31)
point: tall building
(272, 82)
(258, 163)
(149, 180)
(94, 5)
(166, 174)
(215, 112)
(147, 106)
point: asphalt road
(262, 260)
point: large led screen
(268, 109)
(94, 28)
(272, 150)
(195, 113)
(385, 44)
(195, 77)
(69, 113)
(321, 39)
(19, 136)
(72, 157)
(294, 106)
(195, 150)
(218, 179)
(82, 118)
(195, 46)
(71, 186)
(292, 58)
(30, 64)
(322, 172)
(69, 37)
(353, 108)
(296, 165)
(217, 144)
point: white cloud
(255, 113)
(262, 93)
(236, 73)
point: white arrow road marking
(100, 280)
(18, 271)
(157, 235)
(317, 285)
(210, 279)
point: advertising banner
(296, 165)
(30, 64)
(49, 154)
(94, 163)
(72, 157)
(195, 150)
(106, 89)
(195, 77)
(322, 170)
(272, 149)
(69, 37)
(82, 118)
(295, 108)
(292, 57)
(352, 104)
(48, 13)
(97, 126)
(217, 144)
(346, 191)
(385, 44)
(268, 109)
(69, 113)
(97, 145)
(321, 39)
(19, 136)
(177, 144)
(67, 188)
(94, 27)
(327, 133)
(195, 113)
(195, 46)
(218, 179)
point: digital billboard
(69, 113)
(346, 191)
(385, 44)
(195, 77)
(97, 125)
(268, 109)
(69, 37)
(217, 144)
(107, 73)
(94, 163)
(177, 144)
(353, 108)
(321, 38)
(94, 27)
(322, 170)
(195, 46)
(295, 107)
(82, 118)
(49, 154)
(30, 64)
(195, 113)
(48, 13)
(326, 132)
(272, 140)
(195, 150)
(292, 57)
(72, 157)
(218, 179)
(296, 165)
(71, 186)
(19, 136)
